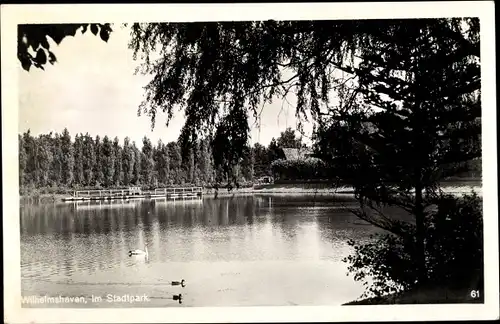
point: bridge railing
(107, 192)
(179, 190)
(136, 190)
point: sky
(92, 89)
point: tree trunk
(420, 232)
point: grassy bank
(45, 195)
(329, 189)
(43, 198)
(433, 295)
(296, 188)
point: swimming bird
(178, 297)
(139, 252)
(176, 283)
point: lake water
(233, 251)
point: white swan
(139, 252)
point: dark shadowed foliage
(301, 169)
(454, 252)
(411, 120)
(220, 72)
(33, 48)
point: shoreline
(321, 189)
(210, 193)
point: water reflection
(238, 242)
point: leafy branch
(33, 47)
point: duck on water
(181, 283)
(177, 297)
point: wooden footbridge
(137, 193)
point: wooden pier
(136, 193)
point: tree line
(58, 160)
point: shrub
(454, 241)
(453, 247)
(310, 168)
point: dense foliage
(454, 254)
(301, 169)
(220, 72)
(411, 119)
(33, 47)
(57, 160)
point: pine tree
(78, 153)
(128, 161)
(88, 160)
(147, 166)
(136, 179)
(117, 155)
(97, 171)
(203, 165)
(23, 159)
(161, 163)
(198, 160)
(175, 158)
(67, 161)
(190, 166)
(107, 162)
(44, 160)
(56, 167)
(30, 149)
(165, 157)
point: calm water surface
(239, 251)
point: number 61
(474, 293)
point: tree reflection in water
(198, 240)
